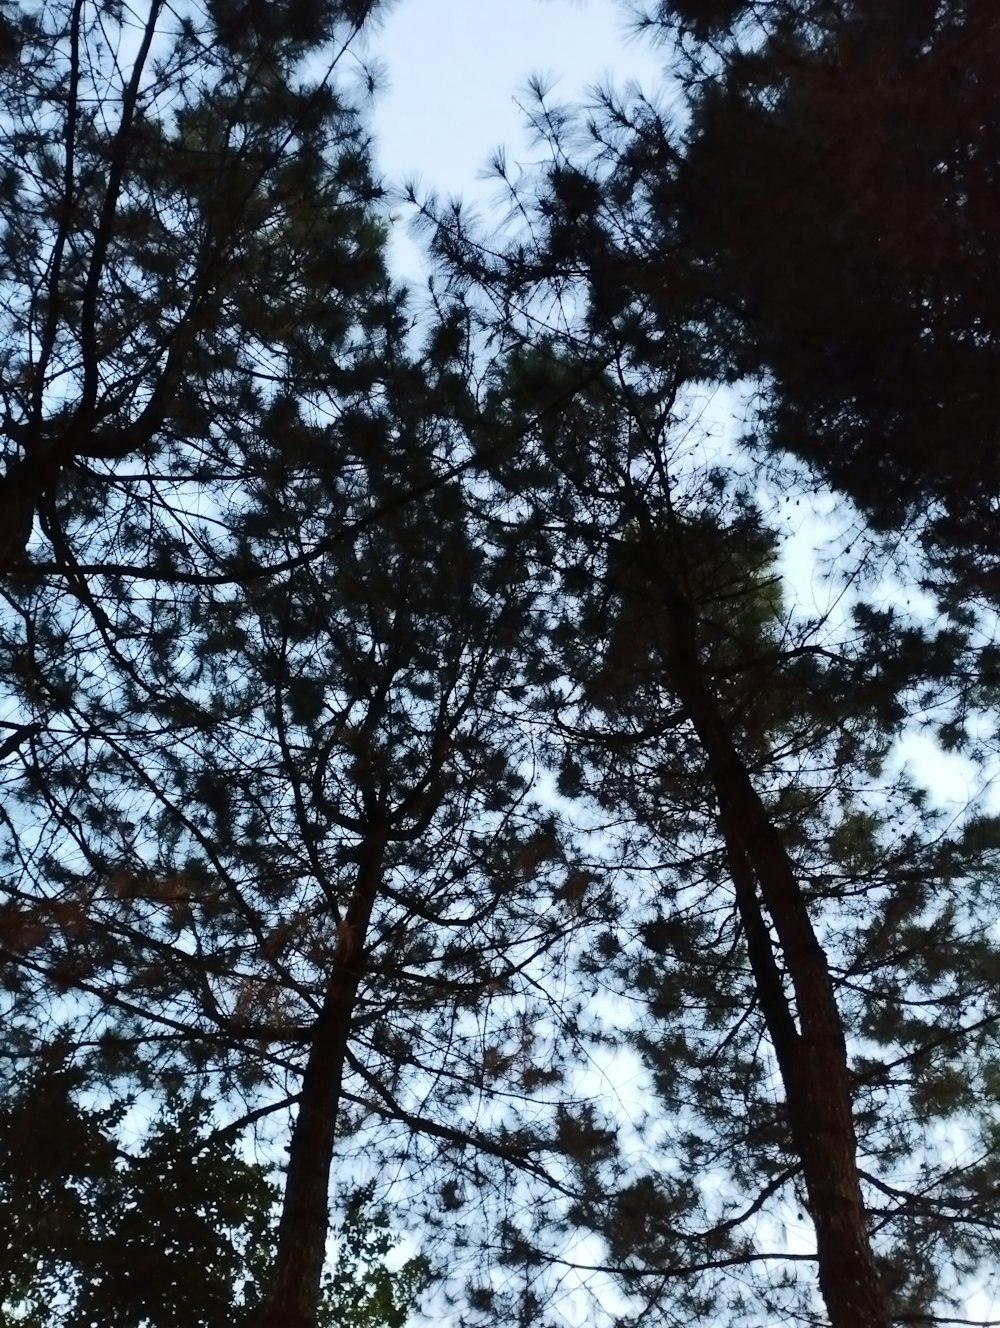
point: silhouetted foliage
(420, 771)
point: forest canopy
(463, 855)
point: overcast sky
(457, 69)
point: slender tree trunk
(21, 491)
(305, 1217)
(813, 1056)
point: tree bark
(293, 1295)
(812, 1057)
(21, 491)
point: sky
(456, 71)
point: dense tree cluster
(432, 815)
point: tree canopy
(451, 864)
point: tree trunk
(21, 491)
(293, 1296)
(813, 1057)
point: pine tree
(186, 235)
(312, 858)
(744, 754)
(262, 776)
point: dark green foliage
(361, 1292)
(836, 208)
(173, 1232)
